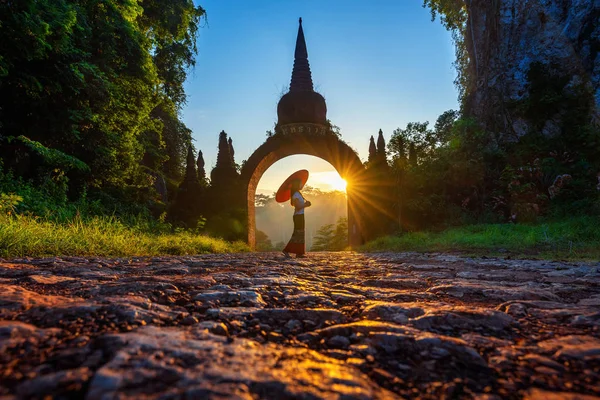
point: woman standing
(296, 244)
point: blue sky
(379, 64)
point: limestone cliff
(505, 38)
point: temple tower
(302, 128)
(301, 105)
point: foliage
(453, 16)
(37, 220)
(372, 151)
(334, 129)
(324, 238)
(225, 172)
(435, 171)
(99, 236)
(8, 203)
(381, 188)
(90, 96)
(574, 238)
(225, 199)
(263, 243)
(100, 82)
(229, 225)
(562, 142)
(201, 171)
(456, 173)
(47, 199)
(54, 157)
(452, 13)
(190, 199)
(332, 237)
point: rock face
(505, 37)
(333, 326)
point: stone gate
(302, 128)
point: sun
(337, 183)
(328, 181)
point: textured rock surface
(335, 325)
(505, 36)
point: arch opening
(326, 191)
(326, 147)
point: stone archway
(302, 128)
(325, 146)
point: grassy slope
(577, 238)
(27, 236)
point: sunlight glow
(329, 180)
(322, 174)
(339, 184)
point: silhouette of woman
(296, 243)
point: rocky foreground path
(335, 325)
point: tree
(324, 238)
(261, 200)
(418, 137)
(381, 187)
(372, 151)
(413, 157)
(200, 165)
(101, 81)
(168, 144)
(263, 243)
(453, 16)
(186, 209)
(231, 151)
(340, 236)
(381, 153)
(443, 126)
(332, 237)
(224, 173)
(226, 198)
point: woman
(296, 243)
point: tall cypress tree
(200, 165)
(231, 151)
(190, 168)
(372, 151)
(381, 186)
(187, 207)
(227, 214)
(224, 172)
(223, 156)
(381, 153)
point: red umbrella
(284, 193)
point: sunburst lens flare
(339, 184)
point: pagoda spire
(301, 76)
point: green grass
(99, 236)
(577, 238)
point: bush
(575, 238)
(8, 202)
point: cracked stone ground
(335, 325)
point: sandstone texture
(332, 326)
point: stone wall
(504, 38)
